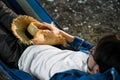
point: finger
(45, 26)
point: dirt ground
(89, 19)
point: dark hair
(107, 52)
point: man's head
(105, 55)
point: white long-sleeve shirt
(43, 61)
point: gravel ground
(89, 19)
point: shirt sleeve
(81, 44)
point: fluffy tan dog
(25, 23)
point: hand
(55, 30)
(51, 27)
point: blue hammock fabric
(110, 74)
(13, 74)
(14, 6)
(34, 9)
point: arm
(55, 30)
(77, 43)
(67, 36)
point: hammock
(34, 9)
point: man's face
(92, 66)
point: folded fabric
(110, 74)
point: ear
(96, 69)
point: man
(43, 61)
(100, 62)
